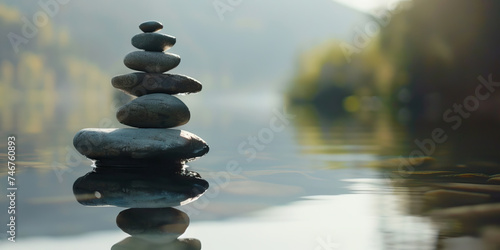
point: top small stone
(150, 26)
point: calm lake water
(313, 183)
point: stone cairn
(143, 168)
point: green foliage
(46, 75)
(48, 91)
(434, 50)
(325, 78)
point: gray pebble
(139, 84)
(150, 26)
(153, 41)
(139, 144)
(151, 62)
(154, 111)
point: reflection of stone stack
(154, 229)
(143, 167)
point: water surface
(313, 183)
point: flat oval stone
(139, 84)
(159, 225)
(151, 26)
(154, 111)
(473, 213)
(138, 189)
(130, 144)
(134, 243)
(151, 62)
(451, 198)
(153, 41)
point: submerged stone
(471, 187)
(494, 180)
(448, 198)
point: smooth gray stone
(139, 144)
(134, 243)
(138, 188)
(161, 225)
(151, 62)
(151, 26)
(153, 41)
(154, 111)
(139, 84)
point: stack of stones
(153, 111)
(143, 168)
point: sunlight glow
(368, 5)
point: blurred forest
(41, 83)
(424, 62)
(432, 51)
(35, 81)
